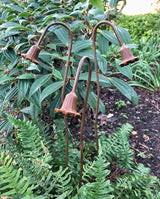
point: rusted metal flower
(32, 54)
(127, 56)
(69, 105)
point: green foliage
(116, 147)
(97, 4)
(140, 25)
(25, 88)
(95, 175)
(137, 185)
(33, 158)
(146, 72)
(12, 180)
(36, 169)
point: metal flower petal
(127, 56)
(32, 54)
(69, 105)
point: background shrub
(140, 25)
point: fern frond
(97, 187)
(137, 185)
(117, 147)
(30, 140)
(35, 160)
(12, 181)
(62, 184)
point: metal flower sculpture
(70, 103)
(32, 55)
(34, 51)
(127, 57)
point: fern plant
(34, 160)
(95, 174)
(12, 181)
(116, 147)
(30, 166)
(138, 184)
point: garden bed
(145, 118)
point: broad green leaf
(1, 73)
(103, 44)
(97, 4)
(100, 17)
(8, 34)
(27, 76)
(95, 11)
(23, 87)
(35, 99)
(102, 79)
(81, 45)
(126, 70)
(76, 13)
(109, 36)
(102, 63)
(124, 34)
(16, 8)
(112, 3)
(9, 25)
(125, 89)
(34, 111)
(5, 79)
(50, 89)
(55, 104)
(18, 46)
(92, 99)
(11, 93)
(60, 16)
(38, 83)
(63, 36)
(10, 54)
(25, 14)
(57, 74)
(21, 28)
(33, 67)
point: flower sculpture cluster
(69, 104)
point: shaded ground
(145, 118)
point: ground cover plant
(29, 93)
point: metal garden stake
(127, 57)
(32, 55)
(69, 106)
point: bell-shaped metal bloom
(69, 105)
(32, 54)
(127, 56)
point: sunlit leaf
(97, 4)
(27, 76)
(112, 3)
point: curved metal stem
(69, 50)
(84, 109)
(96, 69)
(65, 76)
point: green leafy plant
(140, 25)
(39, 167)
(26, 88)
(120, 104)
(146, 73)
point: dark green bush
(141, 25)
